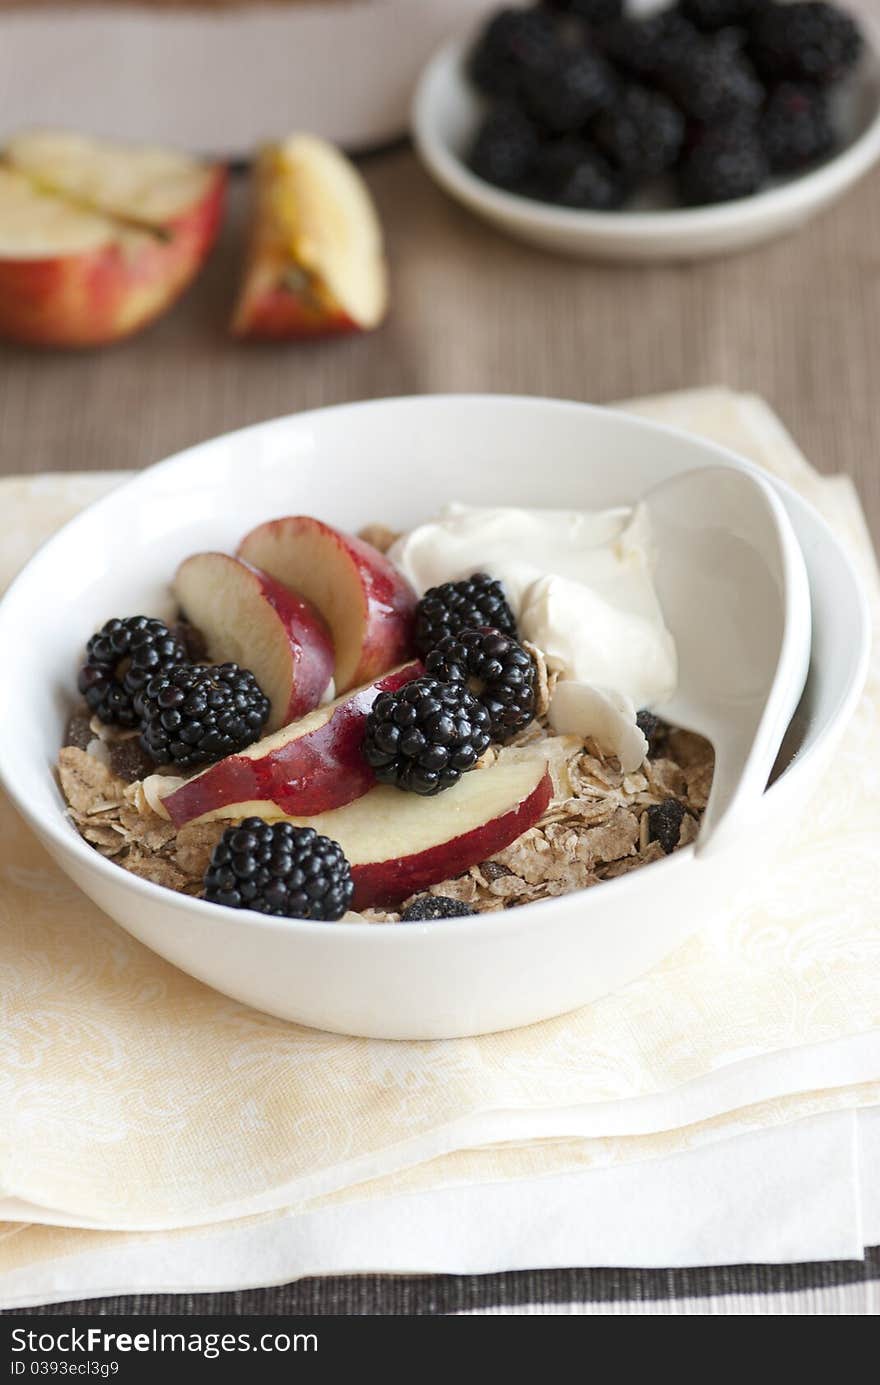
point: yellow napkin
(133, 1097)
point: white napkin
(802, 1192)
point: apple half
(98, 239)
(248, 618)
(309, 767)
(366, 601)
(398, 844)
(315, 262)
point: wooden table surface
(797, 321)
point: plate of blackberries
(652, 130)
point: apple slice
(248, 618)
(398, 844)
(315, 263)
(367, 603)
(97, 240)
(142, 184)
(309, 767)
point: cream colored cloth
(798, 1192)
(133, 1097)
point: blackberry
(809, 41)
(478, 600)
(796, 127)
(194, 714)
(119, 660)
(505, 148)
(496, 669)
(711, 15)
(664, 823)
(424, 737)
(513, 43)
(573, 174)
(276, 868)
(579, 85)
(642, 134)
(596, 13)
(641, 46)
(712, 82)
(435, 906)
(725, 163)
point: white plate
(394, 461)
(446, 113)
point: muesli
(315, 738)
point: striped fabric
(840, 1287)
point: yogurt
(580, 585)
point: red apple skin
(385, 599)
(311, 646)
(111, 292)
(277, 312)
(385, 883)
(298, 628)
(312, 774)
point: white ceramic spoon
(732, 582)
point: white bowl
(280, 66)
(447, 110)
(395, 461)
